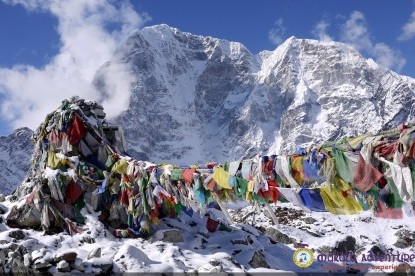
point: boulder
(377, 250)
(2, 198)
(105, 268)
(68, 256)
(95, 253)
(258, 260)
(209, 268)
(87, 239)
(63, 266)
(78, 264)
(3, 210)
(18, 267)
(309, 220)
(42, 266)
(2, 257)
(170, 235)
(405, 239)
(17, 234)
(278, 236)
(25, 216)
(345, 246)
(27, 260)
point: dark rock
(17, 234)
(403, 269)
(21, 250)
(26, 216)
(233, 261)
(277, 236)
(309, 220)
(18, 267)
(317, 235)
(170, 235)
(405, 239)
(245, 242)
(13, 246)
(258, 260)
(105, 268)
(68, 257)
(88, 239)
(2, 198)
(325, 249)
(2, 257)
(352, 270)
(41, 266)
(3, 210)
(236, 251)
(215, 262)
(376, 250)
(3, 242)
(346, 246)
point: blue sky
(51, 48)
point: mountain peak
(161, 28)
(199, 98)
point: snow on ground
(194, 249)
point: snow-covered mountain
(197, 98)
(15, 152)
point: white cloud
(389, 58)
(276, 34)
(85, 44)
(355, 32)
(320, 31)
(408, 30)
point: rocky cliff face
(198, 98)
(15, 152)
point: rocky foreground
(252, 244)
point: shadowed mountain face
(197, 99)
(15, 152)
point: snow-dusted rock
(406, 238)
(25, 216)
(41, 265)
(102, 266)
(170, 235)
(27, 259)
(78, 265)
(95, 253)
(258, 260)
(278, 236)
(63, 266)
